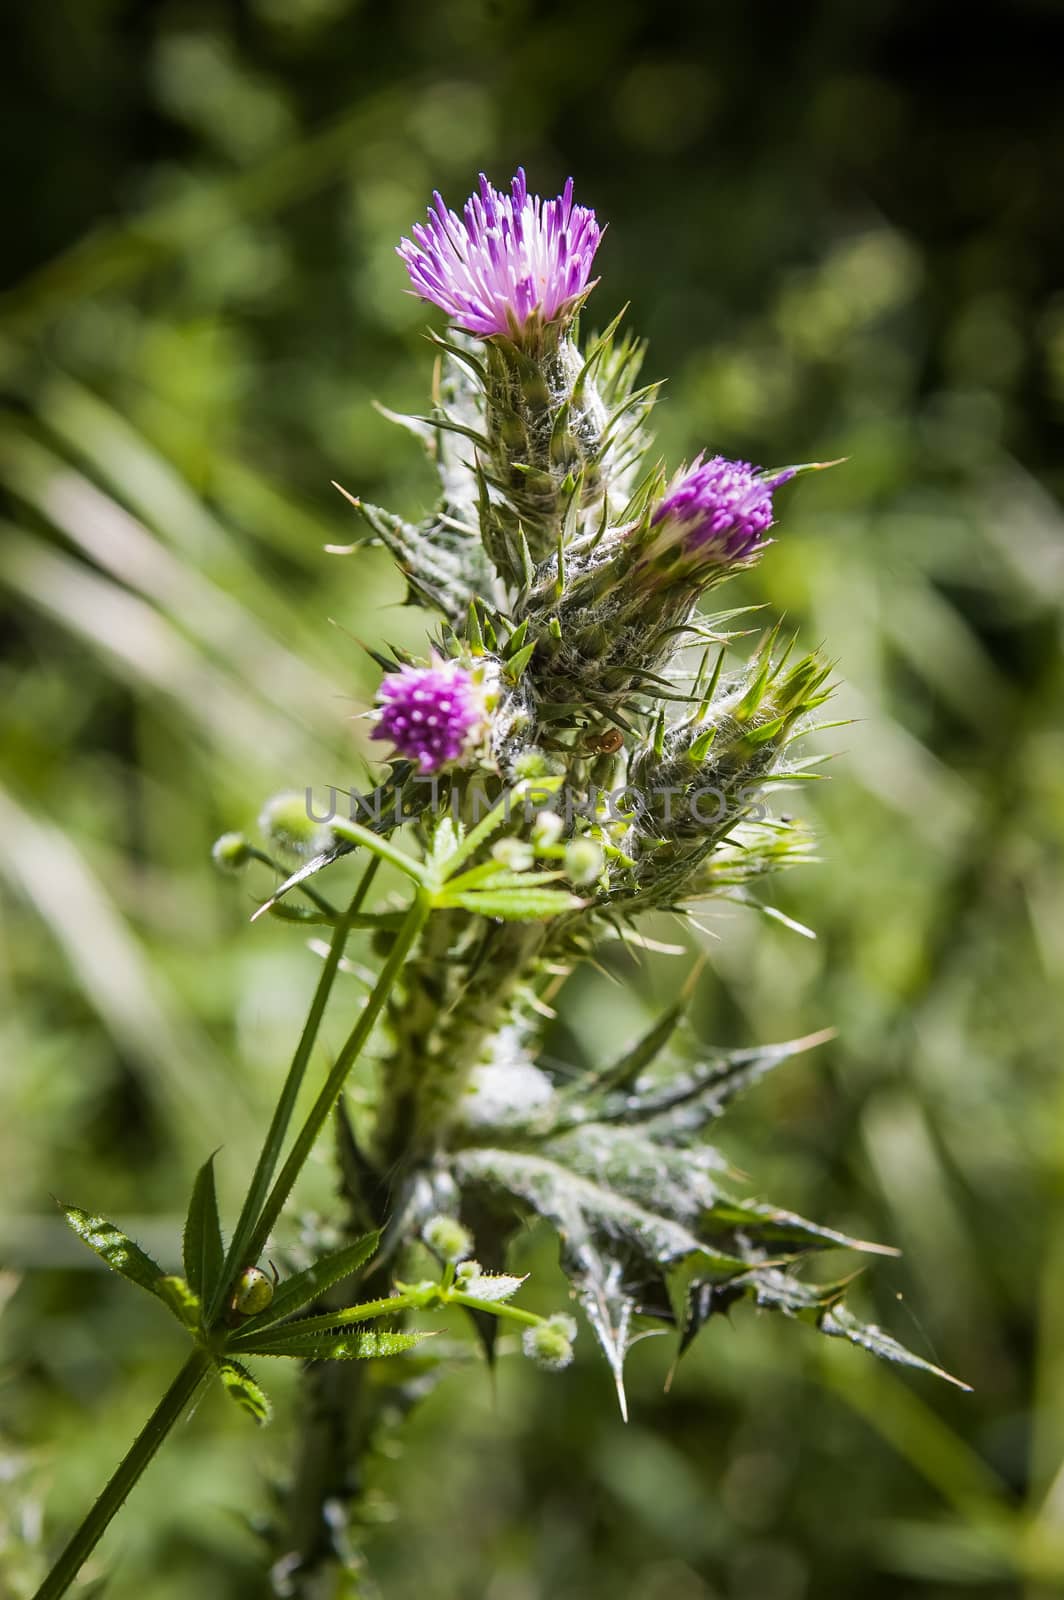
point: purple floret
(429, 713)
(720, 509)
(508, 258)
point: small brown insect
(604, 744)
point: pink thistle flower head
(430, 714)
(719, 510)
(507, 260)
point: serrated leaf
(298, 1291)
(182, 1301)
(518, 905)
(202, 1248)
(116, 1248)
(241, 1387)
(365, 1345)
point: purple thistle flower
(719, 509)
(510, 258)
(430, 714)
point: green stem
(405, 940)
(242, 1251)
(169, 1411)
(495, 1309)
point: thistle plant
(582, 744)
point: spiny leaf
(202, 1247)
(778, 1291)
(637, 1058)
(116, 1248)
(242, 1388)
(772, 1225)
(688, 1101)
(299, 1290)
(613, 1248)
(838, 1323)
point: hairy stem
(455, 994)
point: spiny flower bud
(431, 715)
(717, 511)
(704, 775)
(509, 260)
(286, 823)
(231, 852)
(448, 1238)
(550, 1344)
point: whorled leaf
(116, 1248)
(182, 1300)
(364, 1345)
(202, 1248)
(241, 1387)
(514, 905)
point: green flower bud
(513, 853)
(547, 830)
(583, 861)
(231, 852)
(536, 763)
(550, 1343)
(253, 1293)
(447, 1237)
(466, 1271)
(285, 822)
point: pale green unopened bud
(547, 830)
(231, 852)
(286, 823)
(583, 861)
(467, 1270)
(536, 763)
(447, 1237)
(550, 1343)
(513, 853)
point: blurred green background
(838, 226)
